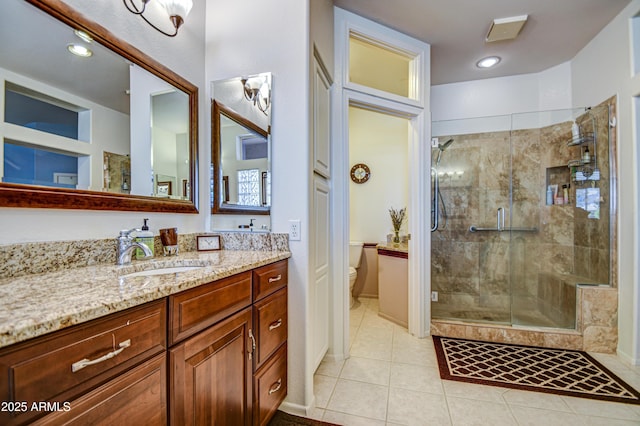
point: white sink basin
(162, 271)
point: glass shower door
(525, 217)
(470, 255)
(560, 185)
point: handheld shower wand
(441, 148)
(435, 206)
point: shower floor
(526, 317)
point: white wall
(547, 90)
(109, 130)
(379, 141)
(183, 54)
(274, 38)
(604, 68)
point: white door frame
(417, 209)
(416, 110)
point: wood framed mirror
(241, 163)
(141, 181)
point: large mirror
(106, 128)
(241, 145)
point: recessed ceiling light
(79, 50)
(488, 62)
(84, 36)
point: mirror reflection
(79, 116)
(241, 145)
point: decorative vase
(396, 237)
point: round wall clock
(360, 173)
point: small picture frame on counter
(209, 242)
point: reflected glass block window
(249, 187)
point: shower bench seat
(556, 296)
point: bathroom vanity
(393, 282)
(210, 347)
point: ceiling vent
(506, 28)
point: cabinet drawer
(194, 310)
(271, 325)
(270, 387)
(269, 278)
(137, 397)
(65, 364)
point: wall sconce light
(256, 89)
(176, 9)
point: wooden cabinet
(214, 354)
(270, 322)
(59, 367)
(233, 371)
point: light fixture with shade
(257, 90)
(488, 62)
(177, 11)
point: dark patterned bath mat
(559, 371)
(284, 419)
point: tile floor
(392, 379)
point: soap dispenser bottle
(144, 237)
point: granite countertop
(399, 247)
(33, 305)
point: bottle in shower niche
(144, 237)
(565, 193)
(549, 196)
(586, 156)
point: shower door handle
(434, 204)
(500, 219)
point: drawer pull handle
(275, 324)
(273, 280)
(86, 362)
(275, 387)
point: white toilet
(355, 257)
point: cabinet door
(321, 119)
(210, 375)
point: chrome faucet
(126, 246)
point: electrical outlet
(294, 230)
(434, 142)
(434, 296)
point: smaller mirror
(241, 145)
(241, 164)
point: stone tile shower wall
(476, 274)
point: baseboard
(627, 359)
(297, 409)
(334, 357)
